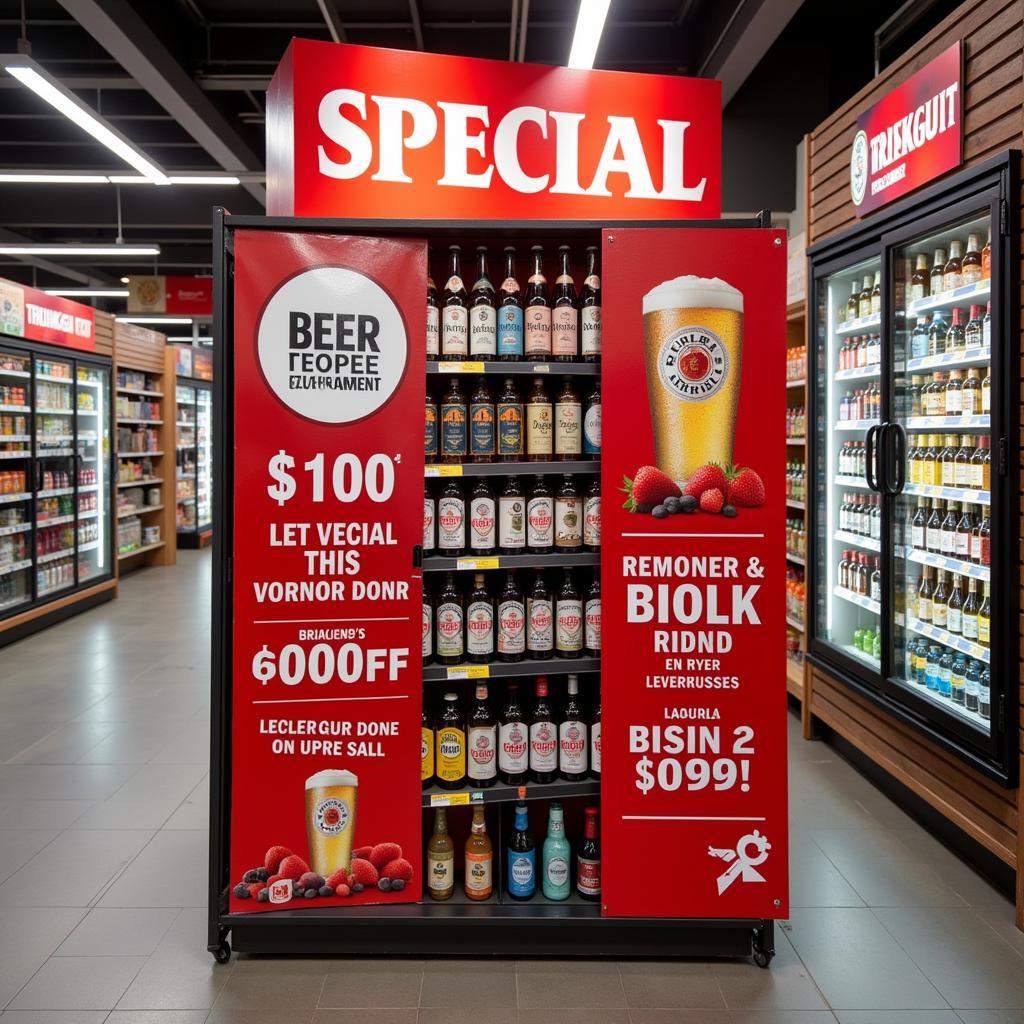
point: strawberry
(746, 488)
(272, 861)
(709, 476)
(649, 487)
(712, 501)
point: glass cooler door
(846, 618)
(92, 414)
(942, 527)
(16, 480)
(185, 456)
(204, 457)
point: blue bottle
(556, 882)
(521, 859)
(510, 311)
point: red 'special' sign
(31, 314)
(693, 789)
(357, 130)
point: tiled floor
(103, 737)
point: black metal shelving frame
(493, 928)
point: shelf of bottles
(796, 493)
(186, 456)
(15, 482)
(139, 412)
(848, 321)
(942, 381)
(512, 592)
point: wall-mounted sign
(357, 130)
(175, 295)
(909, 137)
(31, 314)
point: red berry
(712, 501)
(342, 890)
(272, 861)
(340, 877)
(310, 880)
(362, 852)
(649, 487)
(746, 489)
(398, 868)
(384, 853)
(255, 889)
(293, 867)
(709, 476)
(363, 871)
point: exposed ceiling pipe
(523, 23)
(512, 30)
(417, 25)
(333, 20)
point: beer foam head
(689, 291)
(331, 777)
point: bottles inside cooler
(186, 483)
(93, 500)
(15, 470)
(204, 457)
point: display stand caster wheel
(762, 945)
(762, 958)
(221, 953)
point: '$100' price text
(350, 478)
(324, 663)
(702, 764)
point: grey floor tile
(54, 1017)
(841, 947)
(553, 985)
(468, 1015)
(376, 984)
(194, 811)
(669, 985)
(570, 1016)
(157, 1017)
(493, 985)
(393, 1016)
(991, 1016)
(128, 742)
(898, 1017)
(41, 814)
(146, 800)
(785, 986)
(126, 932)
(64, 781)
(169, 872)
(27, 938)
(63, 745)
(299, 1014)
(814, 881)
(78, 983)
(19, 846)
(295, 990)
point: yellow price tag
(435, 471)
(475, 366)
(448, 799)
(478, 563)
(541, 367)
(469, 672)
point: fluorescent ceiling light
(589, 26)
(156, 320)
(44, 85)
(79, 250)
(126, 280)
(178, 179)
(89, 293)
(15, 178)
(188, 337)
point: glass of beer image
(330, 820)
(693, 349)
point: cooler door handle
(869, 456)
(899, 460)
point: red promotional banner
(182, 295)
(693, 790)
(31, 314)
(358, 130)
(909, 137)
(328, 478)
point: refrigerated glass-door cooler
(915, 414)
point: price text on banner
(326, 682)
(693, 791)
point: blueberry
(673, 504)
(384, 884)
(358, 887)
(730, 511)
(241, 891)
(688, 503)
(262, 874)
(398, 885)
(263, 896)
(643, 507)
(326, 890)
(310, 894)
(251, 876)
(659, 512)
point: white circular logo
(859, 167)
(331, 816)
(332, 345)
(693, 363)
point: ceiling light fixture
(589, 26)
(46, 87)
(189, 337)
(178, 179)
(89, 293)
(79, 250)
(17, 178)
(182, 320)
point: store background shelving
(796, 509)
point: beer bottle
(428, 626)
(955, 340)
(917, 526)
(568, 619)
(592, 617)
(479, 882)
(510, 312)
(595, 742)
(510, 424)
(939, 601)
(540, 620)
(568, 516)
(568, 423)
(511, 518)
(430, 428)
(590, 310)
(592, 515)
(876, 294)
(947, 544)
(429, 521)
(592, 424)
(483, 321)
(537, 315)
(864, 299)
(572, 735)
(480, 623)
(970, 268)
(543, 735)
(454, 315)
(426, 750)
(540, 518)
(440, 859)
(919, 280)
(450, 762)
(963, 533)
(973, 333)
(933, 530)
(564, 318)
(986, 341)
(481, 742)
(451, 520)
(513, 740)
(969, 614)
(522, 866)
(588, 859)
(482, 519)
(538, 423)
(453, 423)
(924, 596)
(450, 617)
(954, 265)
(985, 618)
(556, 857)
(853, 302)
(935, 275)
(511, 621)
(481, 424)
(955, 608)
(433, 318)
(970, 396)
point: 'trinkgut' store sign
(909, 137)
(399, 134)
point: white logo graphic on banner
(742, 864)
(332, 345)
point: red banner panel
(909, 137)
(31, 314)
(369, 132)
(182, 295)
(328, 483)
(693, 789)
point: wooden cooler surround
(992, 32)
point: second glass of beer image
(330, 820)
(693, 351)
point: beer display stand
(498, 927)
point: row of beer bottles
(538, 742)
(522, 869)
(508, 324)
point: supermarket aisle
(103, 737)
